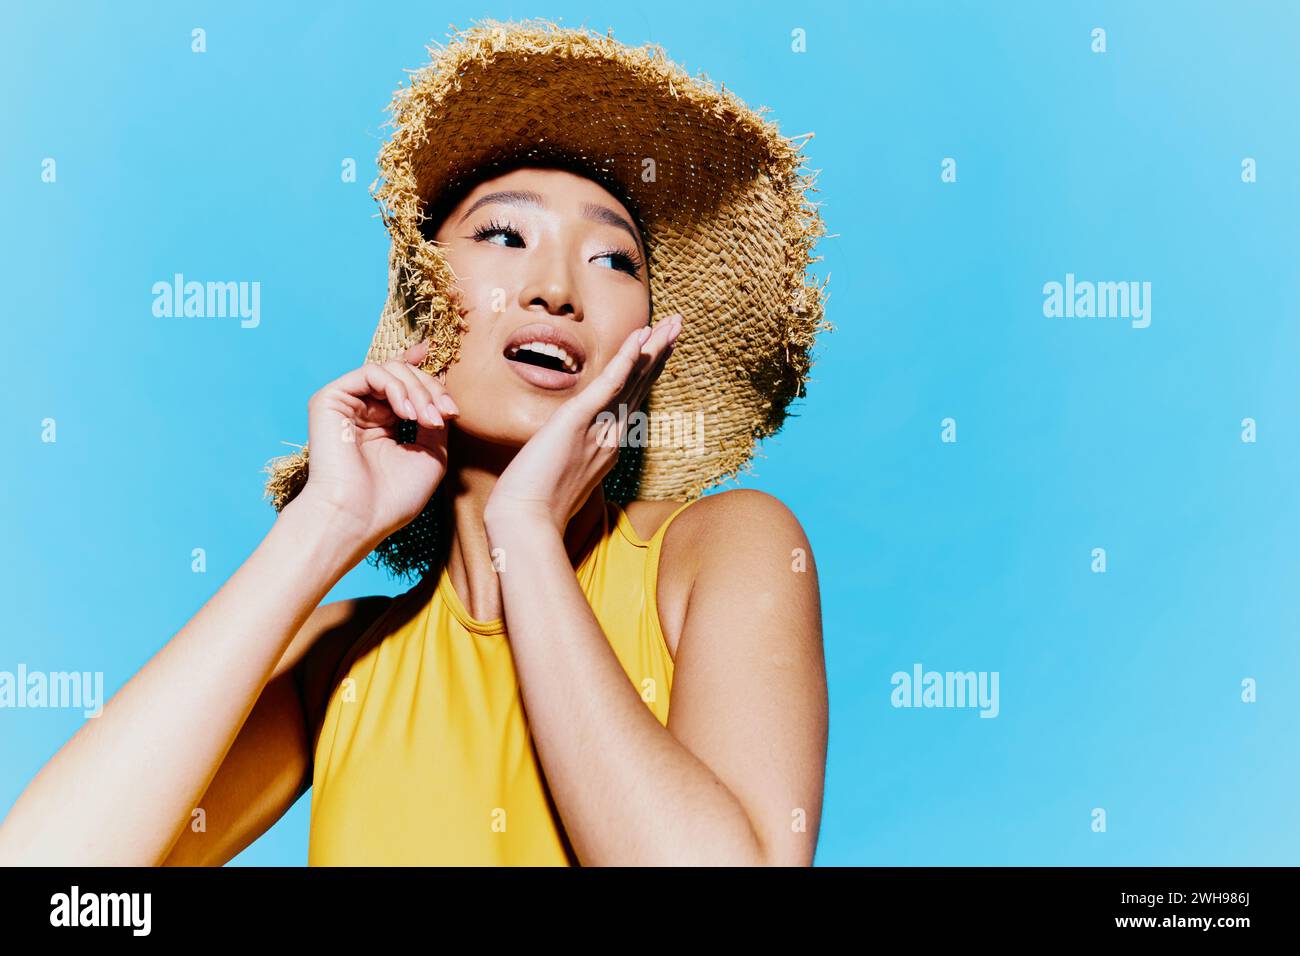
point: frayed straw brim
(719, 193)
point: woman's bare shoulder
(743, 529)
(742, 513)
(736, 508)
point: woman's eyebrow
(592, 211)
(508, 197)
(609, 217)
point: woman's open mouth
(545, 356)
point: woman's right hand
(355, 464)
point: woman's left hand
(557, 469)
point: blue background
(1119, 690)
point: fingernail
(448, 405)
(431, 413)
(410, 409)
(643, 335)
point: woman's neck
(471, 476)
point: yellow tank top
(424, 756)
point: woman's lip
(548, 334)
(547, 378)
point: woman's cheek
(480, 299)
(629, 311)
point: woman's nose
(551, 287)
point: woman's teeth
(546, 348)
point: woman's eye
(500, 236)
(618, 260)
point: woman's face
(552, 279)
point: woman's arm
(269, 765)
(120, 792)
(737, 775)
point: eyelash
(494, 228)
(624, 260)
(631, 264)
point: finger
(376, 412)
(433, 440)
(418, 393)
(415, 354)
(414, 357)
(438, 388)
(377, 380)
(609, 383)
(427, 390)
(665, 354)
(644, 383)
(650, 362)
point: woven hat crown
(720, 197)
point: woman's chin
(513, 433)
(502, 410)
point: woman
(513, 706)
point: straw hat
(717, 191)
